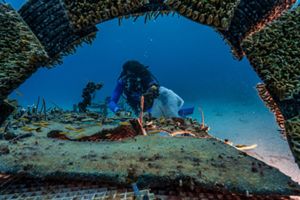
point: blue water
(187, 57)
(296, 4)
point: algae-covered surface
(149, 160)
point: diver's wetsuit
(133, 96)
(136, 81)
(133, 90)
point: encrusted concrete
(251, 16)
(50, 23)
(148, 160)
(272, 50)
(21, 53)
(274, 54)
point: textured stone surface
(274, 108)
(275, 55)
(88, 13)
(250, 16)
(215, 13)
(293, 129)
(60, 26)
(49, 22)
(20, 51)
(149, 160)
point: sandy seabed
(250, 123)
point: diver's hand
(149, 97)
(154, 91)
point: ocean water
(189, 58)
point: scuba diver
(136, 81)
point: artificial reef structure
(267, 32)
(115, 152)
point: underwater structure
(86, 147)
(41, 33)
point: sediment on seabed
(85, 154)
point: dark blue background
(190, 58)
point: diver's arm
(113, 103)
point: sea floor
(204, 162)
(249, 123)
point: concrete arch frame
(267, 32)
